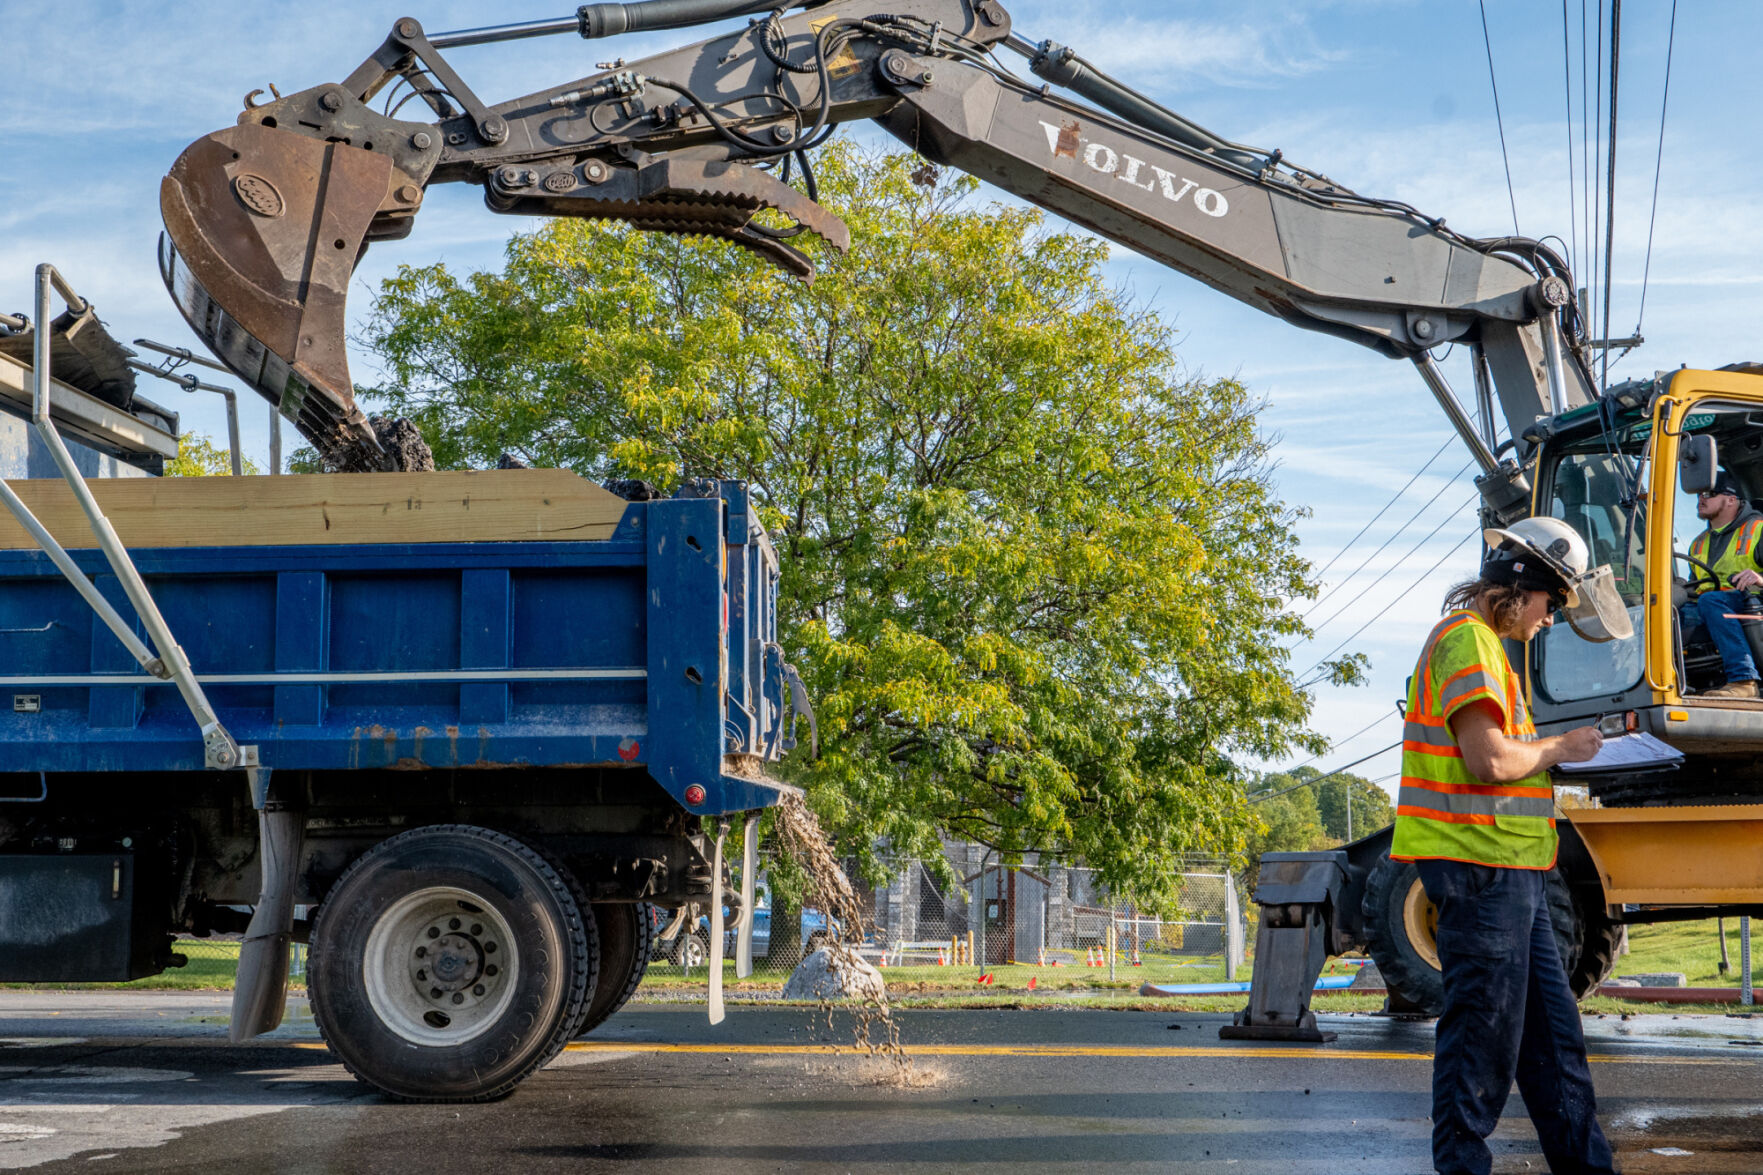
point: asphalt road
(148, 1083)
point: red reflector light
(695, 795)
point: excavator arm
(266, 220)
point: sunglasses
(1715, 494)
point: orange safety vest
(1443, 810)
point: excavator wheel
(1401, 927)
(1600, 946)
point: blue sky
(1388, 97)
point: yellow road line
(1079, 1050)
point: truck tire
(1401, 928)
(449, 963)
(626, 939)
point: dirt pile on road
(799, 834)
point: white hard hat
(1546, 554)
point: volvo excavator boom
(266, 220)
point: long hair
(1503, 603)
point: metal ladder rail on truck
(671, 143)
(482, 720)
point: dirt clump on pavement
(799, 834)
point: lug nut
(434, 993)
(434, 932)
(422, 976)
(422, 952)
(477, 928)
(459, 997)
(453, 924)
(489, 948)
(478, 990)
(492, 970)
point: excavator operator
(1476, 815)
(1730, 547)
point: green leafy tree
(1370, 806)
(1288, 819)
(1034, 572)
(198, 456)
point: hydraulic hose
(1061, 66)
(609, 20)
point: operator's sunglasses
(1716, 494)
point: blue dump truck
(477, 721)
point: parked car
(693, 949)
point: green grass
(1156, 969)
(213, 966)
(1690, 947)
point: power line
(1323, 624)
(1585, 161)
(1567, 93)
(1664, 99)
(1399, 598)
(1322, 778)
(1597, 167)
(1498, 120)
(1341, 742)
(1386, 506)
(1610, 184)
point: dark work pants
(1508, 1013)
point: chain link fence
(971, 912)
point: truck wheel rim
(695, 954)
(1420, 922)
(441, 966)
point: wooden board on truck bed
(492, 505)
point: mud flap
(261, 990)
(1297, 894)
(716, 926)
(749, 893)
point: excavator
(267, 219)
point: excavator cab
(1625, 473)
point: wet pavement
(143, 1082)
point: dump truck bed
(410, 621)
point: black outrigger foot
(1297, 895)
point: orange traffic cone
(1031, 982)
(942, 957)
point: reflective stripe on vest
(1442, 809)
(1739, 554)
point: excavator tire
(1401, 924)
(1600, 946)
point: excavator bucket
(263, 230)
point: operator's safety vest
(1443, 810)
(1736, 549)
